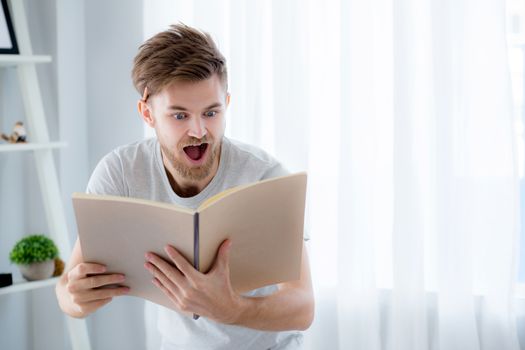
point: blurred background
(407, 114)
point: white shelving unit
(15, 60)
(42, 148)
(31, 146)
(21, 286)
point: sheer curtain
(400, 112)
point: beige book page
(220, 195)
(265, 222)
(118, 231)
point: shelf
(15, 60)
(15, 147)
(23, 286)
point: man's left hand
(210, 295)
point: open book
(264, 221)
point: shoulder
(135, 151)
(246, 151)
(254, 160)
(109, 176)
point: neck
(184, 187)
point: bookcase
(42, 149)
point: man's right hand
(80, 290)
(84, 283)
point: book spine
(196, 248)
(196, 241)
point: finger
(224, 252)
(83, 269)
(167, 292)
(222, 261)
(95, 282)
(182, 264)
(99, 294)
(166, 268)
(168, 287)
(175, 285)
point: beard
(188, 172)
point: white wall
(112, 39)
(71, 100)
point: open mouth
(196, 152)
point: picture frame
(8, 43)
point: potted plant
(35, 256)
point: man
(182, 78)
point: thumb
(223, 256)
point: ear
(146, 113)
(228, 96)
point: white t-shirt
(136, 170)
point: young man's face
(189, 120)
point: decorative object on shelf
(6, 279)
(59, 267)
(35, 256)
(18, 135)
(8, 44)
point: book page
(118, 231)
(265, 222)
(218, 196)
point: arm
(291, 307)
(77, 292)
(211, 294)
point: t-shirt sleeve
(275, 170)
(108, 177)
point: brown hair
(180, 53)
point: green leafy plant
(33, 249)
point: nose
(197, 128)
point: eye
(210, 114)
(179, 116)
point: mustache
(192, 141)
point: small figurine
(18, 135)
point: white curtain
(400, 111)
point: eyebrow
(180, 108)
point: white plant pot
(38, 271)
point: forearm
(286, 309)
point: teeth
(200, 144)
